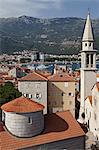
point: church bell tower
(88, 63)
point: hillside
(57, 35)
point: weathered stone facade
(24, 124)
(61, 97)
(36, 90)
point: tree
(8, 92)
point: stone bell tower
(88, 63)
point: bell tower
(88, 63)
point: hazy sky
(49, 8)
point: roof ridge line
(40, 75)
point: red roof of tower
(22, 105)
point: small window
(89, 44)
(87, 59)
(30, 95)
(62, 94)
(30, 120)
(27, 95)
(91, 59)
(24, 94)
(38, 96)
(69, 94)
(85, 44)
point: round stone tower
(23, 117)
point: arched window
(85, 44)
(89, 44)
(87, 59)
(91, 59)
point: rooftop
(33, 77)
(61, 77)
(22, 105)
(97, 85)
(88, 33)
(59, 126)
(44, 73)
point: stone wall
(61, 96)
(33, 87)
(24, 125)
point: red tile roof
(3, 73)
(97, 75)
(9, 78)
(1, 81)
(22, 105)
(1, 127)
(97, 85)
(33, 77)
(61, 77)
(44, 73)
(59, 126)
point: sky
(49, 8)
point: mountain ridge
(54, 35)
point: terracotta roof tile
(1, 127)
(2, 81)
(44, 73)
(97, 75)
(22, 105)
(61, 77)
(59, 126)
(97, 85)
(9, 78)
(33, 77)
(3, 73)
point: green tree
(8, 92)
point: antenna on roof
(88, 11)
